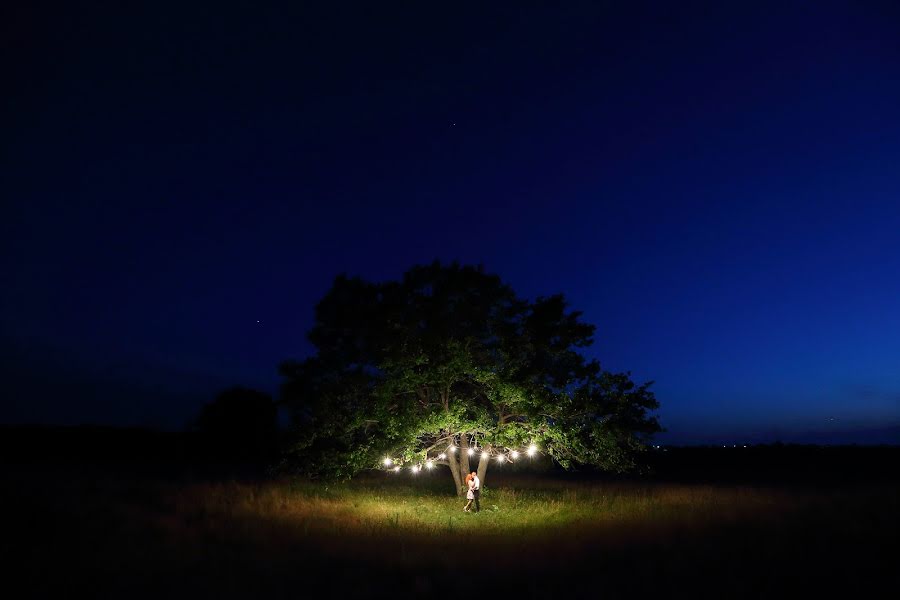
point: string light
(485, 455)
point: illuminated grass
(345, 519)
(243, 539)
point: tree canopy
(448, 358)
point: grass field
(140, 537)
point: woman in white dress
(470, 493)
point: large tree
(448, 367)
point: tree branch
(437, 442)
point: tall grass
(373, 510)
(139, 537)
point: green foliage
(448, 354)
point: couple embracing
(473, 493)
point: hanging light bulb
(515, 454)
(442, 456)
(452, 449)
(471, 451)
(396, 469)
(532, 450)
(429, 465)
(415, 468)
(500, 458)
(387, 462)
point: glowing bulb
(387, 462)
(415, 469)
(442, 456)
(452, 449)
(471, 452)
(515, 454)
(500, 458)
(396, 469)
(532, 450)
(429, 464)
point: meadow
(116, 534)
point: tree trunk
(460, 466)
(482, 467)
(464, 455)
(453, 462)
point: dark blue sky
(716, 186)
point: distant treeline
(197, 452)
(776, 464)
(161, 453)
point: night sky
(716, 186)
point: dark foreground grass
(136, 537)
